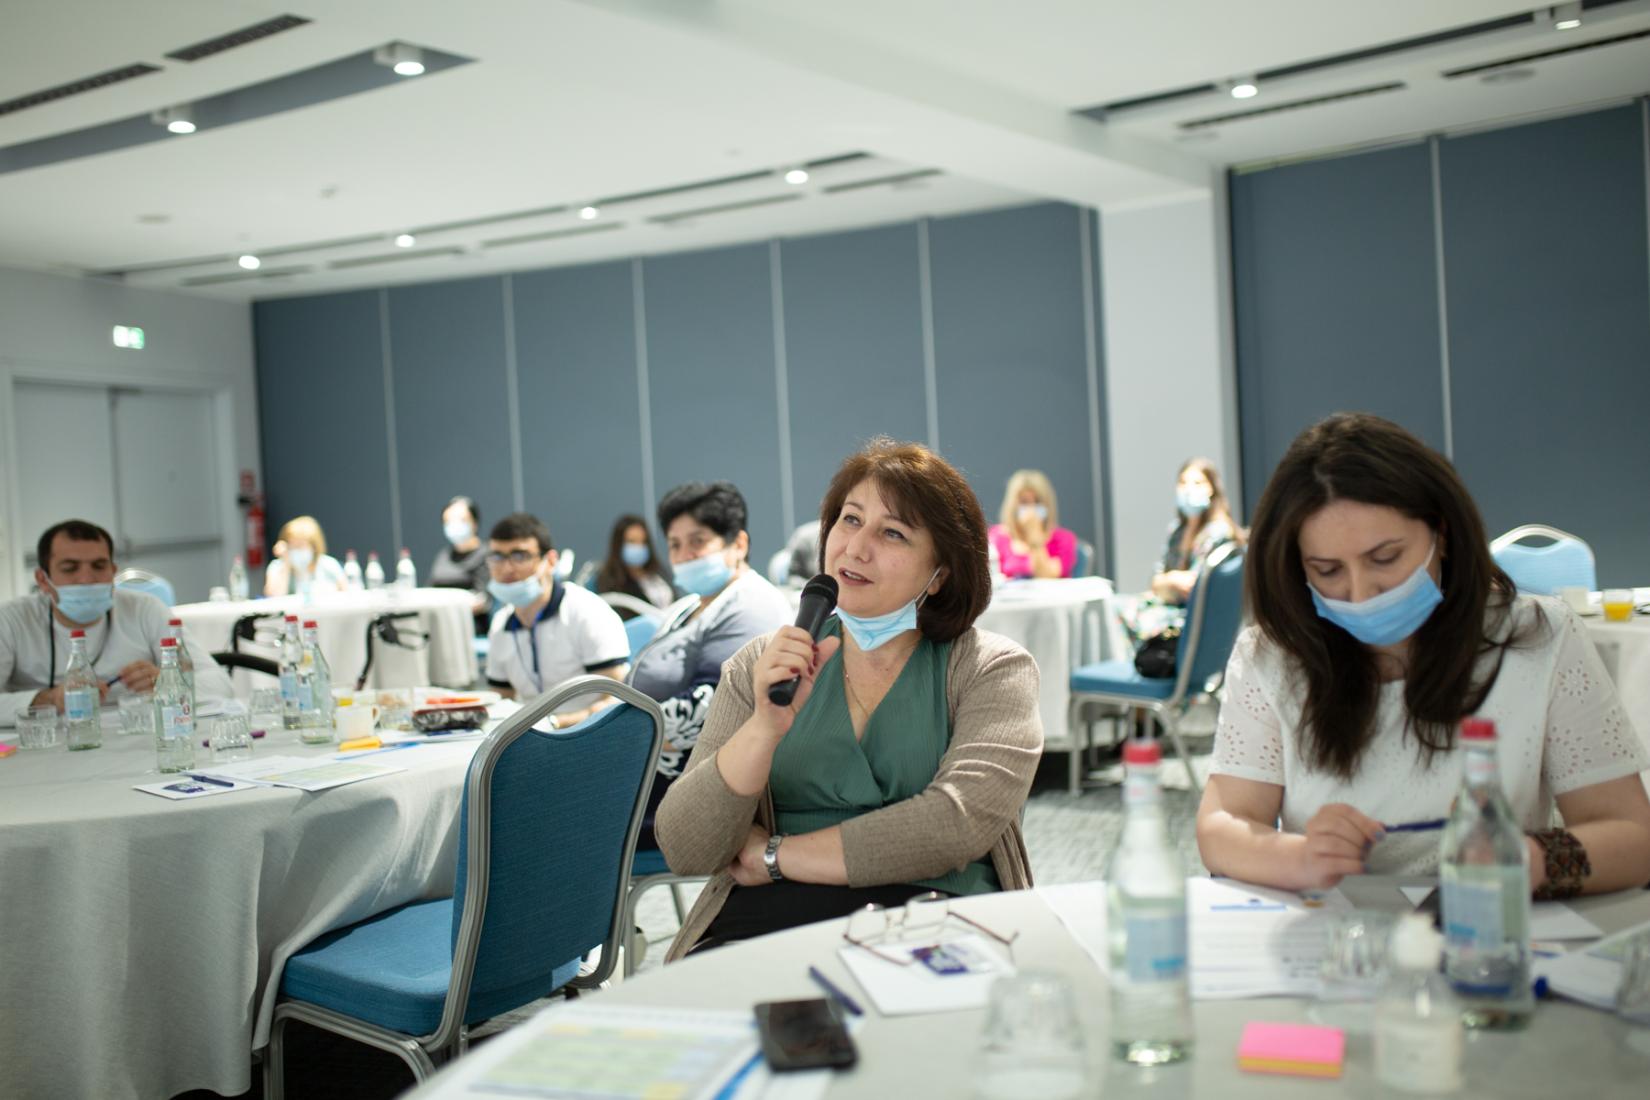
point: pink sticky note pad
(1302, 1049)
(7, 750)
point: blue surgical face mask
(458, 531)
(1392, 616)
(634, 554)
(874, 630)
(704, 576)
(522, 593)
(1192, 500)
(300, 557)
(1027, 512)
(84, 603)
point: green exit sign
(128, 336)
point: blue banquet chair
(141, 580)
(1564, 561)
(1214, 612)
(547, 832)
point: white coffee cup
(1579, 599)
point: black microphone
(818, 601)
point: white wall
(1170, 382)
(55, 327)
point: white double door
(142, 463)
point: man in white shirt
(546, 631)
(75, 582)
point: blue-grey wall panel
(714, 402)
(1012, 369)
(451, 404)
(581, 420)
(853, 340)
(321, 417)
(1549, 323)
(1336, 299)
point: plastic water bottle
(314, 684)
(186, 664)
(82, 698)
(1151, 1007)
(406, 573)
(352, 572)
(1484, 874)
(375, 572)
(239, 588)
(291, 652)
(1418, 1038)
(174, 713)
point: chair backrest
(564, 563)
(624, 601)
(141, 580)
(1214, 613)
(547, 832)
(640, 630)
(1084, 565)
(1564, 562)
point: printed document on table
(1252, 941)
(1549, 920)
(303, 773)
(1592, 974)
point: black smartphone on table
(804, 1035)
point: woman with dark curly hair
(902, 763)
(1380, 622)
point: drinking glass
(37, 728)
(265, 710)
(1633, 994)
(230, 739)
(1353, 969)
(1618, 604)
(395, 708)
(1033, 1044)
(137, 715)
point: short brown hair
(928, 492)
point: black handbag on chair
(1155, 658)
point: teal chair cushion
(392, 970)
(648, 861)
(1118, 678)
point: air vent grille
(881, 181)
(1522, 59)
(552, 235)
(238, 38)
(75, 87)
(1293, 105)
(722, 208)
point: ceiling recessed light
(405, 240)
(400, 58)
(1566, 17)
(249, 262)
(589, 213)
(1243, 88)
(796, 177)
(177, 120)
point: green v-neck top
(821, 776)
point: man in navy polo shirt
(546, 631)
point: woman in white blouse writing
(1380, 621)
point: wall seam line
(782, 388)
(1091, 363)
(512, 385)
(644, 397)
(1443, 294)
(930, 369)
(388, 357)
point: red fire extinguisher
(253, 501)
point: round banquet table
(1568, 1050)
(341, 620)
(1625, 649)
(1062, 624)
(140, 933)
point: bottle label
(1141, 789)
(1155, 948)
(1472, 915)
(306, 699)
(289, 687)
(176, 721)
(1418, 1056)
(77, 705)
(1480, 767)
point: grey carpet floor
(1070, 838)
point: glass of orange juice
(1618, 604)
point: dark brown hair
(78, 530)
(614, 575)
(926, 491)
(1358, 457)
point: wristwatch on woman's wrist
(770, 858)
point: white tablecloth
(1567, 1051)
(1063, 624)
(341, 621)
(1625, 648)
(139, 934)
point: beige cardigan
(970, 808)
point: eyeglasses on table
(922, 915)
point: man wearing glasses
(545, 631)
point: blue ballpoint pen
(209, 779)
(1418, 826)
(837, 994)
